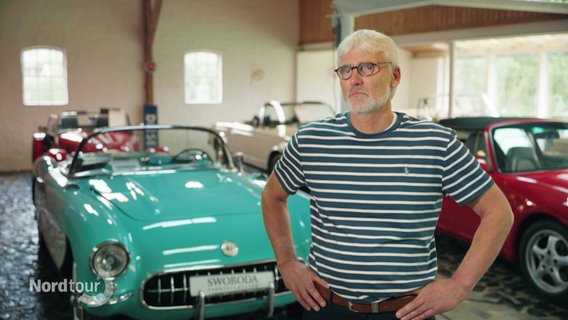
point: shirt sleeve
(288, 169)
(464, 179)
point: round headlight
(109, 260)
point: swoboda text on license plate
(218, 284)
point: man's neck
(373, 122)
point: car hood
(181, 195)
(184, 220)
(194, 242)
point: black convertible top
(473, 123)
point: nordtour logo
(38, 285)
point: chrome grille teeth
(170, 290)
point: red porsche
(528, 159)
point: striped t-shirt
(376, 198)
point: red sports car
(64, 132)
(528, 159)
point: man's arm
(298, 277)
(443, 295)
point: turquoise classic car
(169, 227)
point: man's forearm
(484, 249)
(277, 223)
(486, 244)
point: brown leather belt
(390, 305)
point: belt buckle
(374, 307)
(350, 306)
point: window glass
(558, 99)
(509, 138)
(203, 77)
(517, 79)
(44, 74)
(516, 76)
(471, 75)
(532, 146)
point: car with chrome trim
(527, 159)
(263, 139)
(65, 130)
(170, 228)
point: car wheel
(40, 240)
(544, 259)
(34, 191)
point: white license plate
(218, 284)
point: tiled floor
(501, 295)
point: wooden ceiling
(501, 45)
(404, 17)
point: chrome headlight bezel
(104, 251)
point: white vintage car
(262, 140)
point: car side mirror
(483, 164)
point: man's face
(365, 94)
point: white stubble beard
(369, 106)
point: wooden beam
(151, 15)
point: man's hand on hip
(299, 279)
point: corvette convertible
(169, 228)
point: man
(377, 179)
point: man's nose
(356, 79)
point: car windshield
(308, 112)
(143, 149)
(531, 146)
(73, 120)
(295, 113)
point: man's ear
(395, 77)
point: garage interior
(130, 54)
(110, 46)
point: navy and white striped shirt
(376, 198)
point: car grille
(172, 289)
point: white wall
(428, 80)
(104, 57)
(401, 101)
(315, 79)
(253, 36)
(104, 46)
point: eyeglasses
(365, 69)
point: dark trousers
(336, 312)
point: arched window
(44, 74)
(203, 77)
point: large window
(472, 72)
(521, 76)
(558, 95)
(203, 78)
(44, 74)
(517, 85)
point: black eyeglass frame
(359, 67)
